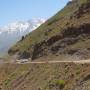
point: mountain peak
(21, 26)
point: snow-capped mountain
(13, 32)
(21, 26)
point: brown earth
(45, 76)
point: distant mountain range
(13, 32)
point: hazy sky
(12, 10)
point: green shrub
(60, 83)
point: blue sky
(12, 10)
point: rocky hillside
(66, 33)
(45, 76)
(59, 76)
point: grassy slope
(44, 76)
(57, 23)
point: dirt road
(50, 62)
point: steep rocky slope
(66, 33)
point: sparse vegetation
(41, 76)
(65, 36)
(60, 83)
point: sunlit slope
(67, 30)
(66, 76)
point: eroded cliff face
(64, 42)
